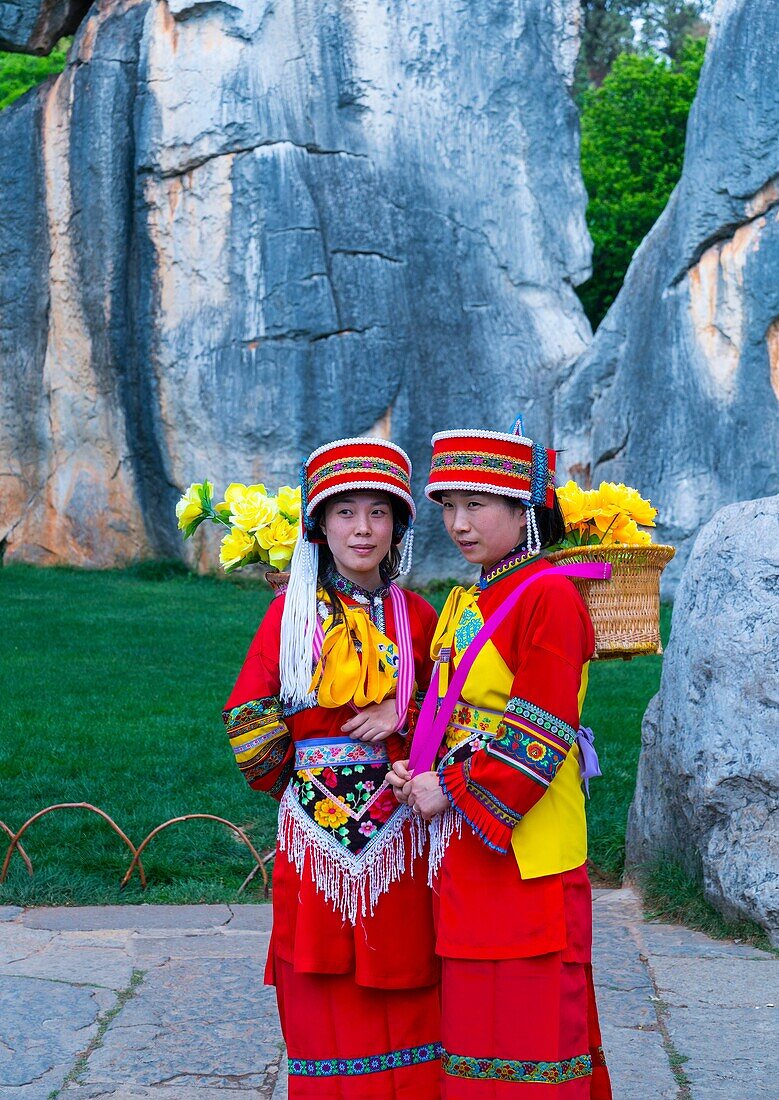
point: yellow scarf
(358, 664)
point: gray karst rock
(679, 392)
(707, 791)
(242, 228)
(35, 26)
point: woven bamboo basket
(625, 610)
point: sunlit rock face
(35, 26)
(679, 392)
(707, 793)
(258, 226)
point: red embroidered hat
(354, 464)
(508, 464)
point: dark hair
(389, 567)
(550, 522)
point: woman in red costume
(508, 847)
(324, 704)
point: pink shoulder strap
(431, 725)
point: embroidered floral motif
(354, 795)
(543, 719)
(372, 1063)
(460, 744)
(529, 753)
(469, 626)
(467, 720)
(251, 715)
(258, 736)
(314, 757)
(505, 1069)
(330, 814)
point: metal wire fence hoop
(9, 832)
(136, 860)
(74, 806)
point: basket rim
(654, 552)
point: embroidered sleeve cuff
(532, 741)
(489, 818)
(260, 741)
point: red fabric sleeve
(495, 787)
(253, 714)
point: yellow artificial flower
(628, 501)
(288, 500)
(572, 502)
(609, 514)
(330, 814)
(278, 538)
(235, 547)
(190, 507)
(627, 532)
(250, 506)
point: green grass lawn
(113, 684)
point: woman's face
(358, 529)
(484, 527)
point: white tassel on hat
(298, 623)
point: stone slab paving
(131, 1002)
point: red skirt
(350, 1042)
(521, 1021)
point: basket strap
(435, 714)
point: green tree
(669, 23)
(607, 32)
(633, 132)
(19, 72)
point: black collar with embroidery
(508, 565)
(355, 591)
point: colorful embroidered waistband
(468, 720)
(324, 752)
(516, 1070)
(356, 1067)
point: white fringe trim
(298, 624)
(352, 883)
(442, 828)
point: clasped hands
(373, 723)
(421, 792)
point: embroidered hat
(346, 465)
(506, 463)
(354, 465)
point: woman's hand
(426, 796)
(373, 723)
(399, 778)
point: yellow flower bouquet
(609, 524)
(261, 526)
(611, 514)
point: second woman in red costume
(514, 913)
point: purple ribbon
(588, 757)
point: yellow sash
(358, 663)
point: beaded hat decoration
(354, 465)
(346, 465)
(506, 463)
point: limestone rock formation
(679, 392)
(707, 791)
(245, 227)
(35, 26)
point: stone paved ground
(168, 1002)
